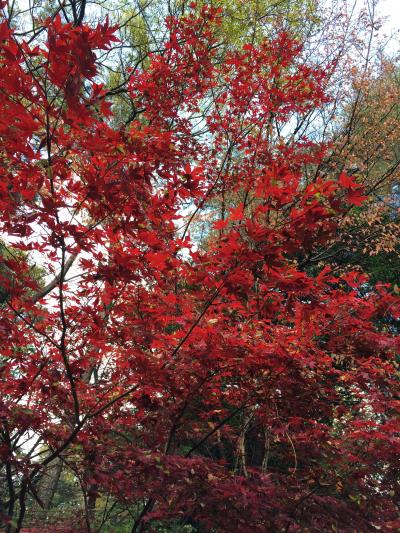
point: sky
(391, 10)
(386, 8)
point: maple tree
(222, 388)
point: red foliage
(227, 386)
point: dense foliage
(232, 384)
